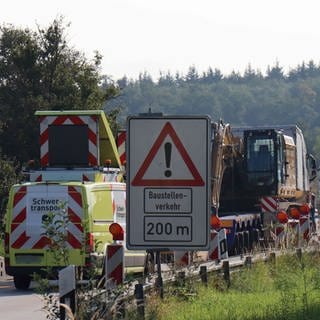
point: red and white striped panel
(18, 236)
(75, 213)
(181, 258)
(304, 228)
(35, 177)
(114, 265)
(26, 230)
(91, 121)
(280, 232)
(213, 253)
(223, 247)
(268, 204)
(121, 142)
(293, 232)
(218, 245)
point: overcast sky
(171, 35)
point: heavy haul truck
(79, 183)
(257, 173)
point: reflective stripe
(304, 228)
(114, 263)
(213, 253)
(121, 141)
(181, 258)
(20, 241)
(268, 204)
(223, 248)
(42, 243)
(75, 211)
(280, 232)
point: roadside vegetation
(288, 289)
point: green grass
(290, 289)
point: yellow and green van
(59, 224)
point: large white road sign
(168, 184)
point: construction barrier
(293, 233)
(223, 247)
(280, 232)
(218, 248)
(182, 258)
(213, 253)
(114, 265)
(121, 142)
(304, 223)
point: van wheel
(22, 282)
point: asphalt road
(17, 304)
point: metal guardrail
(134, 294)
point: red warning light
(282, 217)
(107, 163)
(116, 231)
(215, 222)
(294, 213)
(304, 209)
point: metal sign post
(168, 189)
(67, 289)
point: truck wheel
(22, 282)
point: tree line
(248, 99)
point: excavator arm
(225, 149)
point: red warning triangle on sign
(139, 179)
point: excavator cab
(263, 159)
(276, 162)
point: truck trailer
(266, 170)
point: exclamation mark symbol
(167, 153)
